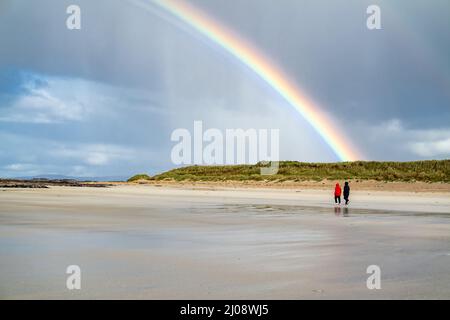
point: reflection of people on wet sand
(337, 193)
(337, 211)
(345, 212)
(346, 192)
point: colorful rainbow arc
(266, 70)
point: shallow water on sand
(172, 248)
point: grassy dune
(141, 176)
(425, 171)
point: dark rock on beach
(45, 183)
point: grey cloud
(140, 75)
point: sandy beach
(203, 242)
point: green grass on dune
(141, 176)
(426, 171)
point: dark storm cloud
(395, 72)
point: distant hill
(425, 171)
(63, 177)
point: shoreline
(360, 185)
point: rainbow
(265, 69)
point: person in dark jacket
(346, 192)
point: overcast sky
(103, 100)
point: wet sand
(149, 242)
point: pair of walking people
(338, 192)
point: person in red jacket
(337, 193)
